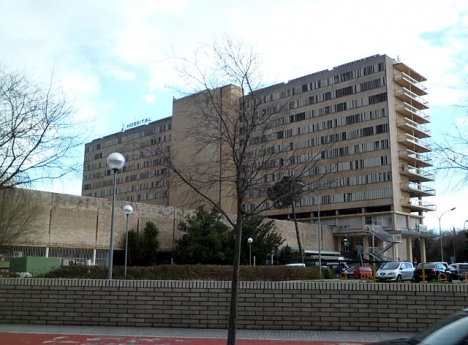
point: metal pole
(126, 246)
(441, 246)
(319, 233)
(454, 251)
(111, 245)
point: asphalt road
(82, 339)
(19, 334)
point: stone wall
(71, 221)
(337, 305)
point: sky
(114, 58)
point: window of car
(391, 266)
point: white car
(296, 264)
(395, 271)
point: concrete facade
(333, 306)
(361, 124)
(77, 228)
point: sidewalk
(42, 334)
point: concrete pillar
(409, 249)
(422, 249)
(365, 243)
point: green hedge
(187, 272)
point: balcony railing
(410, 111)
(417, 174)
(420, 159)
(405, 80)
(409, 125)
(418, 189)
(411, 141)
(411, 97)
(421, 205)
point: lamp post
(249, 241)
(127, 210)
(115, 161)
(440, 233)
(319, 186)
(454, 249)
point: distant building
(365, 124)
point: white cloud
(149, 98)
(96, 48)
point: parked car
(350, 271)
(453, 330)
(462, 269)
(431, 271)
(395, 271)
(362, 272)
(338, 268)
(296, 264)
(455, 272)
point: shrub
(188, 272)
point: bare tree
(18, 211)
(451, 157)
(225, 141)
(38, 132)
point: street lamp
(115, 161)
(249, 241)
(127, 210)
(440, 233)
(318, 186)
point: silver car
(395, 272)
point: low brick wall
(336, 305)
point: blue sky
(113, 57)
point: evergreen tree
(143, 250)
(207, 240)
(265, 239)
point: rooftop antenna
(398, 59)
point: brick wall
(354, 306)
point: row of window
(317, 84)
(317, 126)
(161, 194)
(129, 158)
(363, 195)
(148, 130)
(355, 149)
(326, 96)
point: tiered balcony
(417, 189)
(416, 174)
(410, 79)
(412, 112)
(414, 143)
(416, 205)
(415, 158)
(411, 97)
(413, 127)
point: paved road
(73, 335)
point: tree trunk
(231, 340)
(298, 235)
